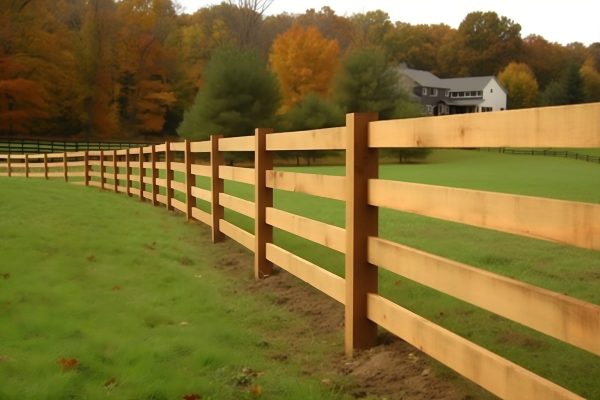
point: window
(447, 93)
(492, 90)
(486, 109)
(424, 91)
(434, 92)
(429, 108)
(480, 93)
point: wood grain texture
(236, 204)
(237, 174)
(327, 186)
(317, 139)
(244, 238)
(240, 143)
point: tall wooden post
(263, 198)
(154, 176)
(26, 165)
(65, 167)
(142, 172)
(86, 168)
(170, 175)
(8, 166)
(190, 201)
(128, 172)
(45, 166)
(115, 172)
(361, 222)
(217, 186)
(102, 169)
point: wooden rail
(151, 173)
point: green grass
(134, 294)
(560, 268)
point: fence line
(149, 174)
(40, 146)
(548, 153)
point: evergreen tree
(239, 95)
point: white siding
(494, 96)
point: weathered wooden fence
(149, 173)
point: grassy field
(101, 297)
(561, 268)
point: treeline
(132, 68)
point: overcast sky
(557, 20)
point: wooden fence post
(8, 165)
(65, 167)
(154, 176)
(170, 175)
(141, 172)
(86, 168)
(263, 198)
(26, 165)
(362, 164)
(102, 169)
(115, 172)
(190, 201)
(128, 173)
(45, 165)
(217, 186)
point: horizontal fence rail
(166, 175)
(40, 146)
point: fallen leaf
(68, 364)
(256, 390)
(192, 397)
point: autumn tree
(304, 62)
(567, 90)
(239, 94)
(331, 25)
(370, 28)
(521, 84)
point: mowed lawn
(561, 268)
(104, 297)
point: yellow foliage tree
(521, 84)
(304, 62)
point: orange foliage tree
(304, 62)
(521, 84)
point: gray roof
(427, 79)
(424, 78)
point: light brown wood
(141, 174)
(362, 164)
(244, 238)
(178, 205)
(154, 174)
(122, 152)
(178, 146)
(161, 165)
(169, 174)
(177, 166)
(160, 148)
(75, 164)
(180, 187)
(75, 154)
(318, 139)
(135, 191)
(102, 170)
(496, 374)
(135, 150)
(328, 186)
(8, 166)
(263, 199)
(148, 149)
(161, 182)
(321, 279)
(95, 184)
(201, 170)
(201, 194)
(236, 204)
(190, 180)
(217, 186)
(66, 167)
(86, 168)
(26, 166)
(201, 216)
(162, 199)
(324, 234)
(200, 147)
(573, 223)
(241, 143)
(564, 126)
(115, 171)
(127, 173)
(565, 318)
(237, 174)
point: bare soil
(393, 370)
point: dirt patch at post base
(393, 370)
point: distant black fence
(549, 153)
(35, 146)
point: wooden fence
(38, 146)
(577, 224)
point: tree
(370, 28)
(304, 62)
(239, 94)
(547, 60)
(567, 90)
(367, 83)
(521, 84)
(591, 80)
(484, 42)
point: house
(454, 95)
